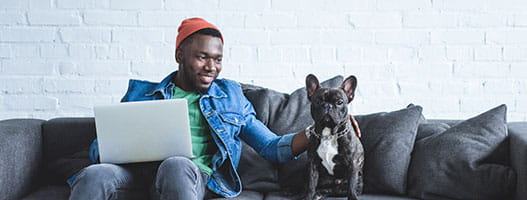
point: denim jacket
(231, 117)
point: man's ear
(179, 55)
(349, 86)
(311, 85)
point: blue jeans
(174, 178)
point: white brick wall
(455, 58)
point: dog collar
(310, 130)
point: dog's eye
(340, 102)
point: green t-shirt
(203, 146)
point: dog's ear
(349, 86)
(311, 85)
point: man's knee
(177, 167)
(99, 174)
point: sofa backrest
(62, 137)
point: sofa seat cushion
(279, 196)
(50, 192)
(245, 195)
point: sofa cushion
(388, 140)
(461, 161)
(50, 192)
(66, 142)
(282, 113)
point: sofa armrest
(21, 154)
(518, 152)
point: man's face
(199, 62)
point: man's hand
(299, 143)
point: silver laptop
(143, 131)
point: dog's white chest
(327, 149)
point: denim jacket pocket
(232, 121)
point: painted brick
(137, 35)
(243, 54)
(28, 34)
(20, 50)
(134, 52)
(21, 4)
(481, 70)
(455, 58)
(432, 53)
(488, 53)
(320, 20)
(12, 18)
(402, 54)
(297, 37)
(151, 68)
(348, 37)
(515, 53)
(164, 52)
(519, 70)
(374, 20)
(83, 4)
(507, 37)
(485, 20)
(40, 4)
(349, 54)
(269, 54)
(112, 87)
(279, 20)
(430, 20)
(348, 5)
(54, 51)
(91, 35)
(519, 20)
(460, 53)
(84, 51)
(20, 85)
(156, 18)
(120, 18)
(322, 54)
(245, 37)
(424, 71)
(458, 37)
(106, 67)
(460, 5)
(404, 4)
(28, 67)
(242, 5)
(402, 37)
(211, 5)
(68, 86)
(296, 55)
(31, 103)
(375, 54)
(136, 4)
(54, 18)
(67, 68)
(5, 51)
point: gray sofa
(28, 146)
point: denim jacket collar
(166, 84)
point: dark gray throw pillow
(388, 140)
(461, 162)
(282, 113)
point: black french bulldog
(334, 152)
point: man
(219, 115)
